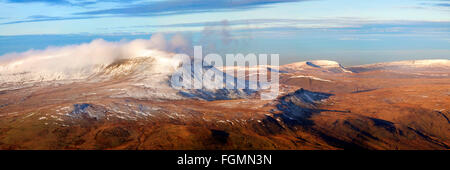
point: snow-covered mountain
(315, 66)
(138, 77)
(212, 90)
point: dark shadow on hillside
(296, 108)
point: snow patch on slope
(311, 77)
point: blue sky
(349, 31)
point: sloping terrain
(322, 105)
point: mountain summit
(316, 66)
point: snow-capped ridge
(323, 65)
(409, 66)
(316, 63)
(119, 67)
(412, 63)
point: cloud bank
(174, 7)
